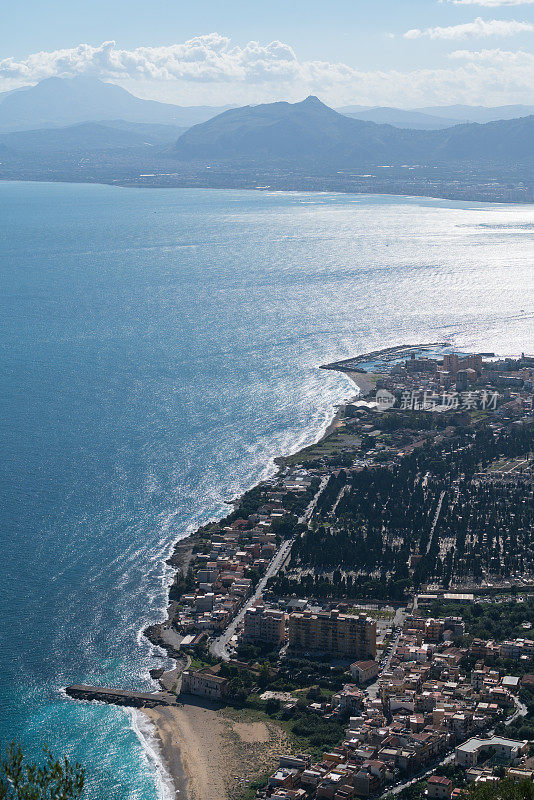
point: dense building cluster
(419, 496)
(424, 705)
(422, 513)
(230, 557)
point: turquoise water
(158, 348)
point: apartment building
(264, 625)
(452, 362)
(331, 632)
(439, 788)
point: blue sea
(158, 349)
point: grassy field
(374, 613)
(339, 442)
(306, 733)
(509, 464)
(198, 663)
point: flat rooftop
(473, 744)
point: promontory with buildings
(363, 618)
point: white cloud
(478, 29)
(504, 57)
(210, 69)
(490, 3)
(204, 58)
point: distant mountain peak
(312, 100)
(56, 102)
(278, 130)
(56, 79)
(311, 133)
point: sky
(407, 53)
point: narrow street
(435, 522)
(219, 647)
(398, 621)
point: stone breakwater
(121, 697)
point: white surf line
(146, 735)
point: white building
(468, 754)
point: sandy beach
(365, 381)
(213, 753)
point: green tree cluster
(54, 779)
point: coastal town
(374, 599)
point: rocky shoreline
(158, 633)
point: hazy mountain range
(400, 118)
(311, 132)
(90, 136)
(56, 102)
(434, 117)
(85, 129)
